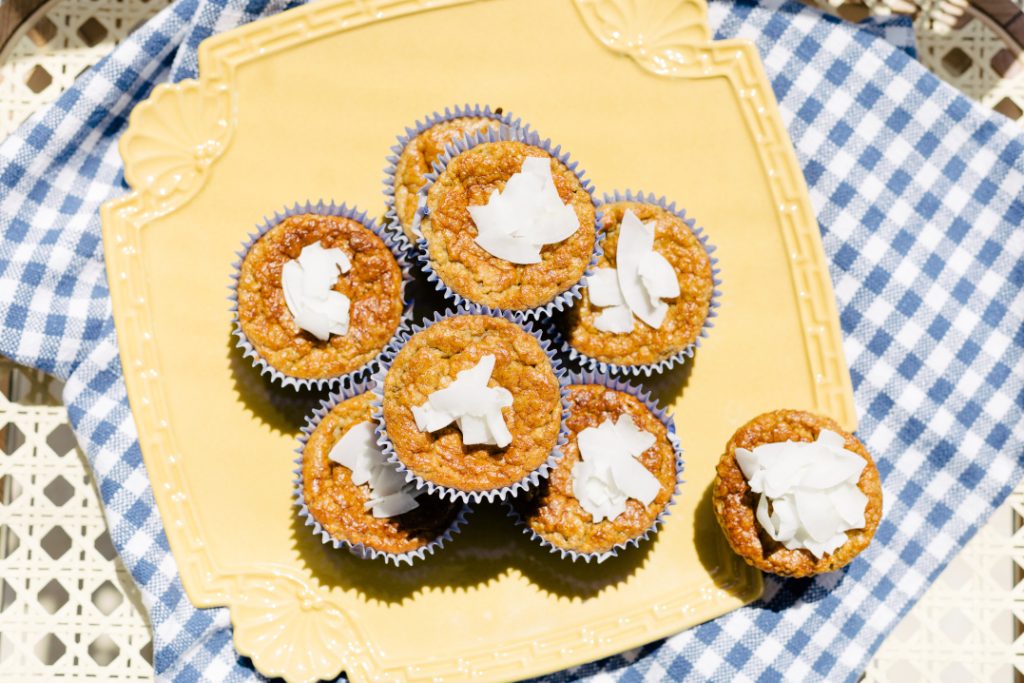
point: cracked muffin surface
(339, 504)
(553, 512)
(373, 285)
(674, 240)
(735, 505)
(473, 273)
(430, 361)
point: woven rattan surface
(67, 606)
(68, 610)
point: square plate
(306, 105)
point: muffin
(479, 246)
(305, 337)
(564, 515)
(416, 152)
(350, 514)
(736, 505)
(619, 335)
(518, 393)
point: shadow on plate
(667, 387)
(488, 548)
(281, 408)
(714, 552)
(579, 580)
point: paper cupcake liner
(391, 219)
(589, 363)
(321, 209)
(501, 493)
(360, 550)
(591, 377)
(562, 300)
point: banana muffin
(636, 342)
(545, 263)
(363, 274)
(345, 509)
(736, 504)
(555, 513)
(517, 373)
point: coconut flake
(390, 494)
(643, 277)
(518, 221)
(609, 473)
(809, 494)
(393, 505)
(616, 320)
(834, 470)
(657, 276)
(308, 285)
(635, 480)
(603, 288)
(817, 514)
(764, 517)
(471, 404)
(784, 518)
(851, 504)
(635, 253)
(748, 464)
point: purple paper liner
(647, 369)
(501, 493)
(392, 221)
(591, 377)
(360, 550)
(321, 209)
(562, 300)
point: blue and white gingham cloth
(920, 196)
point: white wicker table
(69, 610)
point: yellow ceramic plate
(306, 105)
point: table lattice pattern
(67, 606)
(975, 59)
(68, 609)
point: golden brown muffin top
(430, 361)
(338, 504)
(469, 270)
(674, 240)
(417, 159)
(554, 513)
(736, 505)
(373, 285)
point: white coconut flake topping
(471, 404)
(390, 494)
(609, 473)
(809, 493)
(636, 286)
(516, 222)
(308, 284)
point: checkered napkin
(920, 196)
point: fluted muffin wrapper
(647, 369)
(591, 377)
(560, 301)
(360, 550)
(501, 493)
(392, 221)
(322, 209)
